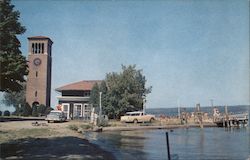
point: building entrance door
(65, 109)
(77, 112)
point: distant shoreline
(173, 111)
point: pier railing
(235, 120)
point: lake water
(185, 144)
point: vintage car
(56, 116)
(136, 117)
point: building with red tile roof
(82, 85)
(74, 99)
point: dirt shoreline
(155, 127)
(22, 140)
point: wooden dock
(235, 120)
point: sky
(190, 51)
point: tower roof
(80, 86)
(39, 37)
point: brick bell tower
(38, 89)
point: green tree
(109, 107)
(103, 88)
(13, 66)
(26, 110)
(125, 91)
(15, 99)
(94, 96)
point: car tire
(48, 121)
(135, 121)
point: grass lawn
(8, 135)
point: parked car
(56, 116)
(136, 117)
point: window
(42, 47)
(86, 93)
(36, 73)
(87, 108)
(39, 47)
(79, 110)
(35, 93)
(36, 48)
(65, 108)
(33, 48)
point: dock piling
(168, 149)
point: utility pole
(212, 102)
(144, 105)
(100, 103)
(179, 109)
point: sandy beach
(22, 140)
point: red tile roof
(82, 85)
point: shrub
(47, 110)
(43, 110)
(73, 127)
(34, 111)
(86, 126)
(103, 123)
(6, 113)
(26, 110)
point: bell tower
(38, 89)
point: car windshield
(55, 113)
(132, 114)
